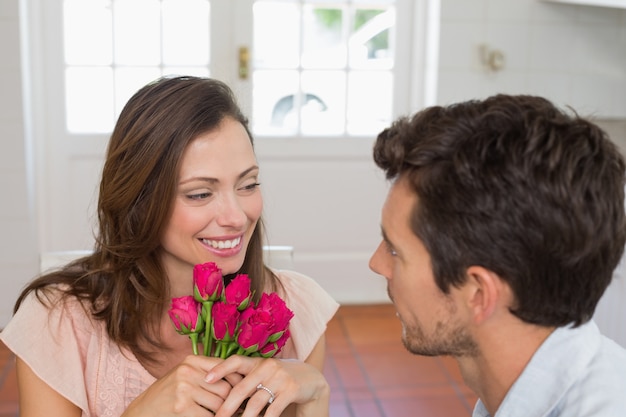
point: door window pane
(273, 101)
(188, 43)
(323, 112)
(88, 96)
(88, 32)
(369, 44)
(278, 111)
(369, 101)
(114, 47)
(276, 30)
(343, 67)
(324, 34)
(136, 33)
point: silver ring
(269, 391)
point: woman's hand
(183, 391)
(288, 381)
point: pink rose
(238, 292)
(280, 313)
(208, 284)
(225, 317)
(273, 348)
(254, 329)
(185, 314)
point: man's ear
(483, 293)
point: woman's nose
(231, 212)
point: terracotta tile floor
(370, 372)
(372, 375)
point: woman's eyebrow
(215, 180)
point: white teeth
(222, 244)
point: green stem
(232, 348)
(208, 328)
(194, 342)
(224, 352)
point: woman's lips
(225, 247)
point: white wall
(574, 55)
(571, 54)
(18, 240)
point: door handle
(244, 62)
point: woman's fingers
(183, 392)
(233, 379)
(220, 388)
(216, 391)
(235, 364)
(282, 382)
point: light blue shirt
(576, 372)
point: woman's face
(217, 205)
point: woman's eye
(250, 187)
(198, 196)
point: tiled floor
(372, 375)
(370, 372)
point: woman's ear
(483, 292)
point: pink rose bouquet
(226, 321)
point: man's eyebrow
(384, 235)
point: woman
(180, 186)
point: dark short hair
(520, 187)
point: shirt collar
(554, 367)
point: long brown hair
(123, 282)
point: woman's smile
(223, 247)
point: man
(501, 230)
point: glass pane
(123, 41)
(137, 32)
(370, 44)
(273, 102)
(276, 34)
(128, 80)
(323, 38)
(369, 101)
(186, 32)
(329, 41)
(323, 102)
(89, 99)
(88, 37)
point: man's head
(513, 185)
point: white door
(94, 55)
(318, 80)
